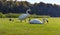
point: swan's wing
(36, 22)
(23, 16)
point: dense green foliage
(9, 15)
(37, 8)
(16, 15)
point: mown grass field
(17, 28)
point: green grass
(17, 28)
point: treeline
(37, 8)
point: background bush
(9, 15)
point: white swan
(37, 21)
(24, 16)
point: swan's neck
(43, 20)
(28, 11)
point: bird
(37, 21)
(25, 15)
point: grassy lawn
(17, 28)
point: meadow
(24, 28)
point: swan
(24, 16)
(37, 21)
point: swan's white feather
(23, 16)
(37, 21)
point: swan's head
(45, 20)
(28, 11)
